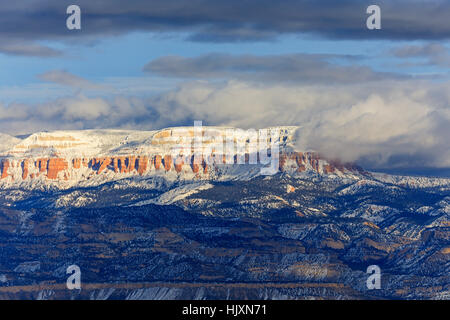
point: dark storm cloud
(433, 53)
(232, 20)
(299, 68)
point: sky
(380, 98)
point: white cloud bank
(383, 124)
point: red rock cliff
(52, 167)
(55, 166)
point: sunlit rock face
(66, 158)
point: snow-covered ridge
(412, 181)
(7, 142)
(66, 159)
(86, 143)
(99, 143)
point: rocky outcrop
(60, 168)
(167, 162)
(300, 160)
(103, 164)
(4, 166)
(55, 166)
(24, 169)
(142, 165)
(157, 161)
(179, 164)
(76, 163)
(194, 165)
(42, 165)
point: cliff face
(4, 166)
(101, 156)
(140, 165)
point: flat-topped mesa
(96, 156)
(63, 169)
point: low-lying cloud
(380, 125)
